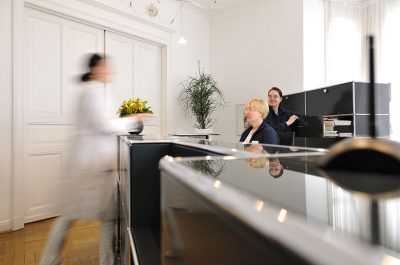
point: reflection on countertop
(358, 210)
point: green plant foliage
(199, 98)
(133, 106)
(209, 167)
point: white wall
(253, 49)
(184, 63)
(5, 113)
(313, 44)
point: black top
(278, 122)
(371, 200)
(264, 135)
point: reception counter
(191, 201)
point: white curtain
(390, 57)
(348, 22)
(345, 22)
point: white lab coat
(90, 176)
(91, 169)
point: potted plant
(200, 98)
(132, 106)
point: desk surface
(353, 218)
(194, 134)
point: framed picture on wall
(241, 123)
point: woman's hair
(94, 60)
(277, 90)
(258, 162)
(260, 105)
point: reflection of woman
(91, 166)
(275, 167)
(279, 118)
(256, 162)
(259, 131)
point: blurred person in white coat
(90, 173)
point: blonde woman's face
(274, 99)
(252, 114)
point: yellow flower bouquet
(133, 106)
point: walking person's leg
(56, 241)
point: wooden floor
(25, 246)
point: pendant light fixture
(181, 39)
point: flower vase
(137, 128)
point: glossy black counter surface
(140, 179)
(226, 148)
(346, 211)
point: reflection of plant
(133, 106)
(200, 97)
(209, 167)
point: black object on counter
(369, 154)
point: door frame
(117, 21)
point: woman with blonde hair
(258, 132)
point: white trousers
(59, 231)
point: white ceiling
(216, 4)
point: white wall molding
(239, 8)
(126, 14)
(40, 213)
(221, 5)
(173, 7)
(5, 225)
(6, 112)
(104, 17)
(18, 115)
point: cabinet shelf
(347, 101)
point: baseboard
(18, 223)
(5, 225)
(39, 217)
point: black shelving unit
(347, 101)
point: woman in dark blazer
(259, 131)
(279, 118)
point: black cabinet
(332, 100)
(347, 104)
(295, 102)
(139, 195)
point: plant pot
(137, 128)
(204, 131)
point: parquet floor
(25, 246)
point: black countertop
(354, 215)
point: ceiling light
(181, 39)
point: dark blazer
(278, 122)
(264, 135)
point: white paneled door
(137, 68)
(56, 50)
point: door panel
(137, 68)
(55, 51)
(147, 85)
(44, 69)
